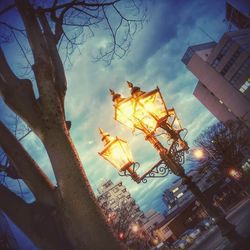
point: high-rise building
(223, 70)
(114, 196)
(123, 214)
(238, 13)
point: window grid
(239, 73)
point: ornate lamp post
(147, 112)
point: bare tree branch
(26, 167)
(76, 3)
(9, 7)
(224, 146)
(43, 69)
(58, 70)
(18, 94)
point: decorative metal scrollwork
(178, 155)
(160, 169)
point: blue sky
(154, 59)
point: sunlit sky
(154, 59)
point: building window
(179, 195)
(230, 62)
(215, 62)
(226, 48)
(221, 54)
(245, 86)
(244, 67)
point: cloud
(154, 59)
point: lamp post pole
(147, 112)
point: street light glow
(116, 151)
(198, 153)
(135, 228)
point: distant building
(113, 196)
(7, 238)
(178, 194)
(155, 230)
(122, 213)
(188, 212)
(238, 13)
(223, 70)
(152, 218)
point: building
(114, 196)
(223, 70)
(154, 229)
(188, 212)
(150, 221)
(238, 13)
(178, 194)
(7, 238)
(122, 213)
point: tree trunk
(82, 216)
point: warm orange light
(116, 151)
(121, 236)
(234, 173)
(198, 153)
(142, 110)
(150, 109)
(124, 112)
(135, 228)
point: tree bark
(26, 167)
(74, 208)
(82, 215)
(37, 221)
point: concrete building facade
(223, 70)
(115, 196)
(238, 13)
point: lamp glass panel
(118, 153)
(173, 120)
(124, 112)
(150, 109)
(154, 104)
(145, 118)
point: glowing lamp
(121, 236)
(149, 107)
(116, 151)
(198, 153)
(234, 173)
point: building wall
(188, 218)
(152, 219)
(114, 196)
(223, 71)
(212, 103)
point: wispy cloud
(154, 59)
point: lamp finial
(105, 136)
(115, 96)
(130, 84)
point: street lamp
(198, 153)
(147, 112)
